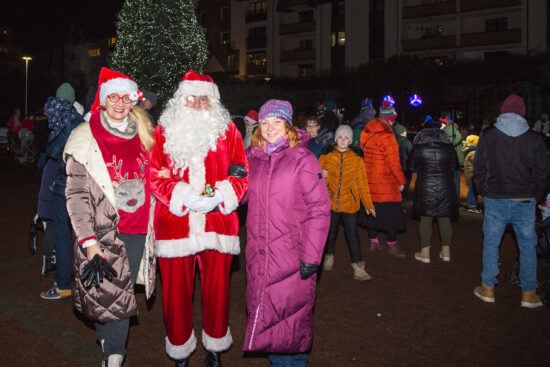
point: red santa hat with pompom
(112, 81)
(194, 84)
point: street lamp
(27, 59)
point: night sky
(48, 23)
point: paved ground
(410, 314)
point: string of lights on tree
(157, 42)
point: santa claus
(196, 221)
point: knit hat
(513, 103)
(345, 131)
(252, 117)
(472, 139)
(330, 105)
(399, 129)
(194, 84)
(366, 103)
(65, 91)
(276, 108)
(387, 111)
(433, 124)
(111, 81)
(150, 96)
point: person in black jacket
(434, 159)
(511, 172)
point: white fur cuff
(230, 200)
(181, 351)
(178, 195)
(217, 344)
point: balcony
(298, 55)
(256, 43)
(255, 17)
(426, 10)
(429, 43)
(254, 69)
(294, 28)
(490, 38)
(472, 5)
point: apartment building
(300, 38)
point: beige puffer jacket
(91, 204)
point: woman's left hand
(371, 212)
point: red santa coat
(180, 232)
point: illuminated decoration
(157, 42)
(415, 100)
(389, 99)
(94, 52)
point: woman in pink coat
(287, 226)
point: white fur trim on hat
(217, 344)
(252, 121)
(117, 85)
(199, 88)
(182, 351)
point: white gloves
(202, 204)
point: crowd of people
(125, 186)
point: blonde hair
(293, 137)
(145, 127)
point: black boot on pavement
(213, 359)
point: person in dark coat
(62, 118)
(434, 159)
(405, 147)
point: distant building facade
(300, 38)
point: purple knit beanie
(276, 108)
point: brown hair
(293, 137)
(145, 127)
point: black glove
(94, 272)
(237, 170)
(307, 270)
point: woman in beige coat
(110, 204)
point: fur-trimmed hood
(426, 136)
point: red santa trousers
(178, 277)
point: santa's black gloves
(237, 170)
(94, 272)
(307, 270)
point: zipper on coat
(253, 332)
(340, 180)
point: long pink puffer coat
(288, 221)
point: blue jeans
(63, 243)
(521, 214)
(288, 360)
(471, 198)
(456, 179)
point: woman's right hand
(93, 250)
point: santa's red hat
(112, 81)
(252, 117)
(193, 84)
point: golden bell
(208, 190)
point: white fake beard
(190, 133)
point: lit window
(95, 52)
(341, 38)
(224, 38)
(333, 39)
(112, 42)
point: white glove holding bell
(191, 200)
(208, 203)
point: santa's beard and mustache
(190, 133)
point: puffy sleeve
(79, 205)
(363, 184)
(315, 193)
(234, 187)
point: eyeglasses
(114, 98)
(312, 125)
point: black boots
(213, 359)
(182, 362)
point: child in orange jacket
(348, 187)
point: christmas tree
(157, 42)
